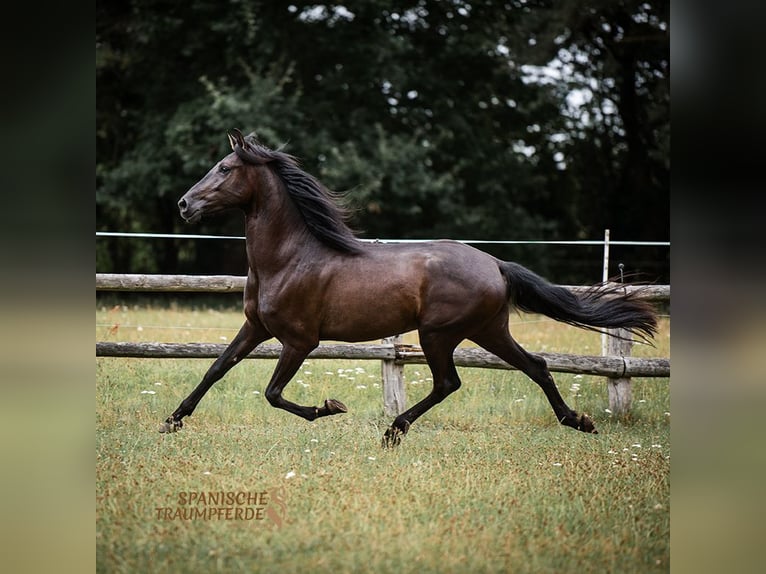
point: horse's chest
(285, 309)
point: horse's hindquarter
(392, 289)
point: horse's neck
(276, 234)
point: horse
(310, 278)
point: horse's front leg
(249, 336)
(289, 362)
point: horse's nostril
(182, 203)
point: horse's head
(225, 186)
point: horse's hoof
(170, 426)
(585, 424)
(393, 436)
(334, 407)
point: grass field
(487, 481)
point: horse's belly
(367, 314)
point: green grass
(485, 482)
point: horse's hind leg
(438, 351)
(249, 336)
(498, 341)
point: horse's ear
(236, 138)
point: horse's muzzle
(189, 214)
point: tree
(618, 131)
(428, 115)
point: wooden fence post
(605, 277)
(619, 388)
(394, 399)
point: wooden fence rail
(617, 367)
(234, 283)
(611, 366)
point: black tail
(599, 307)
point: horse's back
(455, 282)
(456, 264)
(390, 289)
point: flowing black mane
(319, 206)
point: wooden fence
(617, 366)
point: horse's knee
(446, 388)
(452, 385)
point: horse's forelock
(249, 155)
(253, 152)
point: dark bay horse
(311, 279)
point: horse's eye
(224, 169)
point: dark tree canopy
(485, 120)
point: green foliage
(438, 119)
